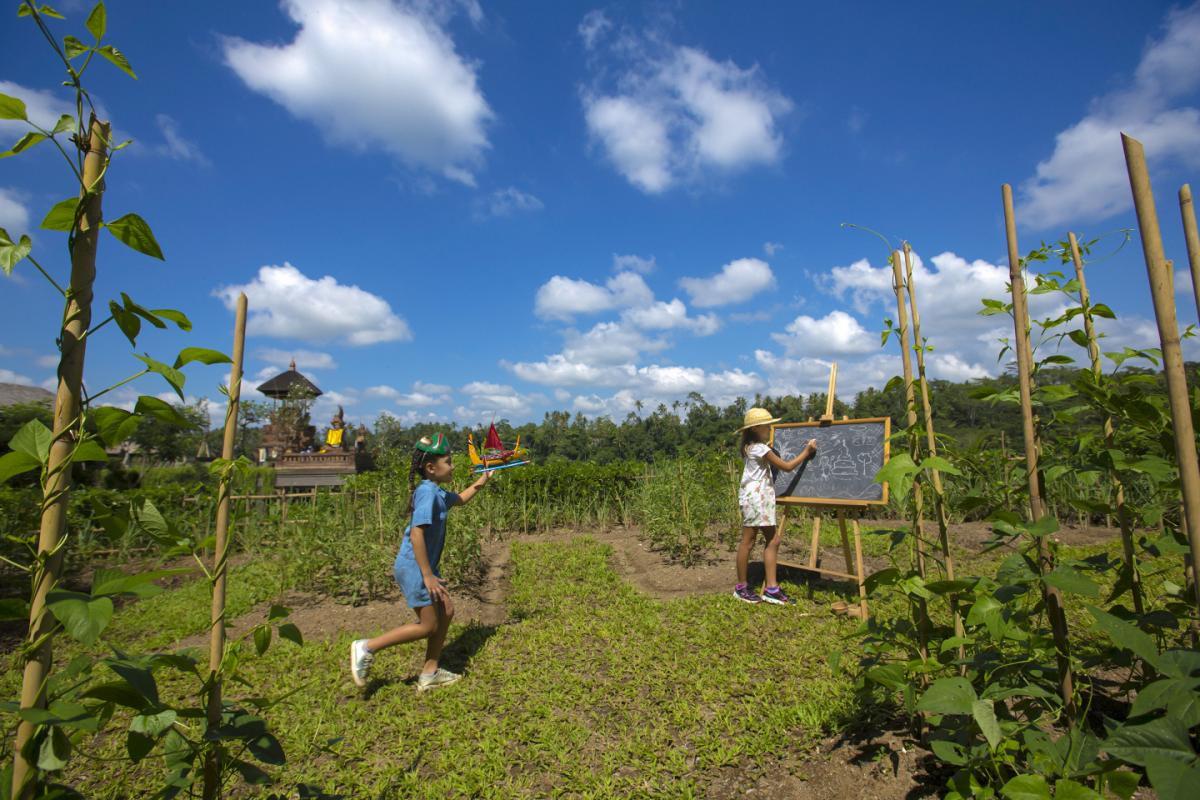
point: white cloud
(837, 333)
(594, 25)
(805, 375)
(42, 108)
(771, 248)
(672, 315)
(8, 376)
(1085, 178)
(562, 395)
(509, 201)
(175, 145)
(1183, 281)
(305, 359)
(632, 263)
(677, 113)
(48, 361)
(14, 216)
(422, 394)
(494, 399)
(737, 282)
(562, 298)
(373, 73)
(608, 343)
(285, 303)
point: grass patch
(594, 690)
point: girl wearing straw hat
(756, 496)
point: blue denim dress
(430, 505)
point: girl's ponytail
(417, 458)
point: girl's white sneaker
(436, 680)
(360, 661)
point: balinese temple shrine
(290, 443)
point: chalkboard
(849, 454)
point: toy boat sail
(494, 454)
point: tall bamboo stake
(216, 646)
(1123, 517)
(918, 488)
(1037, 509)
(1162, 292)
(939, 497)
(1188, 212)
(77, 318)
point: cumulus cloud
(669, 316)
(42, 108)
(593, 26)
(422, 394)
(737, 282)
(507, 202)
(837, 333)
(563, 298)
(675, 113)
(632, 263)
(14, 216)
(771, 248)
(287, 304)
(1085, 179)
(8, 376)
(494, 399)
(373, 73)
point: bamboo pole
(1123, 516)
(77, 318)
(1158, 269)
(216, 647)
(939, 496)
(1024, 352)
(918, 488)
(1188, 211)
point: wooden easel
(854, 568)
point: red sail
(493, 440)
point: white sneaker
(360, 661)
(436, 680)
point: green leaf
(12, 108)
(1043, 527)
(1069, 580)
(189, 354)
(129, 323)
(290, 632)
(55, 750)
(1026, 787)
(138, 745)
(117, 57)
(1125, 634)
(1162, 738)
(89, 450)
(1079, 337)
(12, 253)
(1123, 783)
(133, 231)
(24, 143)
(62, 216)
(113, 582)
(1101, 310)
(114, 425)
(170, 374)
(949, 752)
(65, 123)
(46, 11)
(73, 47)
(941, 465)
(160, 409)
(1066, 789)
(138, 678)
(153, 724)
(892, 676)
(97, 21)
(83, 617)
(33, 439)
(985, 718)
(948, 696)
(262, 638)
(12, 464)
(1172, 779)
(898, 473)
(1177, 694)
(177, 317)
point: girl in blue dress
(416, 568)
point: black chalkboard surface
(849, 453)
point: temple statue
(335, 438)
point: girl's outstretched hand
(484, 477)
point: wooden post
(1188, 211)
(77, 318)
(918, 488)
(1161, 289)
(828, 415)
(1123, 516)
(814, 555)
(1024, 353)
(939, 496)
(216, 646)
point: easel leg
(841, 517)
(860, 572)
(816, 541)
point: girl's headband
(435, 445)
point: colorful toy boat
(494, 454)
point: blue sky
(453, 210)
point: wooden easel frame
(854, 568)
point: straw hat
(758, 416)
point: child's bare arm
(466, 494)
(436, 590)
(808, 452)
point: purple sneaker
(775, 595)
(745, 593)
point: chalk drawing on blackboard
(849, 455)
